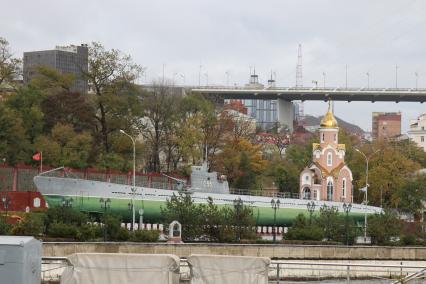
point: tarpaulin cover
(210, 269)
(109, 268)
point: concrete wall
(272, 251)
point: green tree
(301, 229)
(331, 223)
(14, 145)
(182, 208)
(383, 227)
(412, 195)
(246, 179)
(111, 75)
(65, 147)
(10, 67)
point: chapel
(327, 177)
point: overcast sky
(231, 36)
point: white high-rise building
(417, 132)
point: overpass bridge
(285, 96)
(318, 94)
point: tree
(412, 195)
(65, 147)
(14, 145)
(389, 170)
(183, 209)
(383, 227)
(10, 67)
(302, 230)
(331, 223)
(286, 176)
(280, 138)
(111, 75)
(68, 108)
(159, 112)
(241, 159)
(27, 105)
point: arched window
(322, 137)
(330, 190)
(329, 159)
(335, 137)
(344, 187)
(306, 193)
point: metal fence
(282, 271)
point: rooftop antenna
(299, 79)
(299, 73)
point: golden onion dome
(328, 121)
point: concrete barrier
(264, 250)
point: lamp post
(238, 204)
(311, 208)
(275, 204)
(67, 202)
(140, 218)
(6, 202)
(105, 204)
(347, 208)
(134, 176)
(367, 158)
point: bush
(4, 227)
(114, 231)
(408, 240)
(30, 225)
(313, 233)
(61, 230)
(145, 236)
(65, 215)
(89, 232)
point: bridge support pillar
(285, 111)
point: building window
(344, 187)
(330, 190)
(306, 193)
(316, 195)
(423, 128)
(335, 137)
(329, 159)
(422, 139)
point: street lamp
(347, 208)
(367, 158)
(134, 176)
(140, 218)
(6, 202)
(275, 204)
(238, 204)
(67, 202)
(105, 204)
(311, 209)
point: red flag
(37, 156)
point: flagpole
(41, 161)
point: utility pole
(396, 76)
(323, 75)
(346, 76)
(368, 80)
(417, 79)
(199, 75)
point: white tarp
(211, 269)
(113, 268)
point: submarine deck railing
(279, 270)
